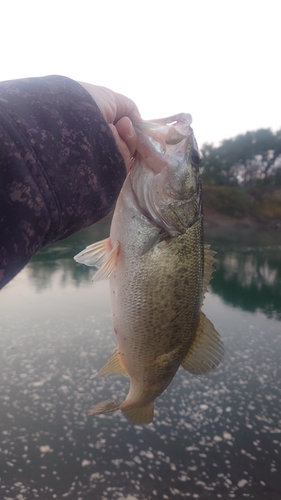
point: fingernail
(131, 131)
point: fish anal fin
(103, 407)
(102, 255)
(207, 350)
(114, 365)
(139, 414)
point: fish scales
(158, 269)
(160, 325)
(148, 308)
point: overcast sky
(218, 60)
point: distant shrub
(262, 202)
(234, 201)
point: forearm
(60, 167)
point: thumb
(127, 132)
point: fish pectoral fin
(139, 414)
(93, 255)
(207, 350)
(152, 242)
(114, 365)
(103, 407)
(102, 255)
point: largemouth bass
(158, 269)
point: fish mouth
(156, 137)
(181, 120)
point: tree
(247, 159)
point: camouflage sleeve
(60, 168)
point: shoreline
(213, 219)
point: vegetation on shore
(242, 176)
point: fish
(158, 268)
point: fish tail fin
(139, 414)
(103, 407)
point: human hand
(118, 111)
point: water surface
(213, 436)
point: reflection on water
(55, 262)
(42, 273)
(248, 270)
(214, 436)
(250, 278)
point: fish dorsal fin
(208, 269)
(139, 414)
(102, 255)
(207, 350)
(114, 365)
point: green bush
(234, 201)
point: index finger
(126, 107)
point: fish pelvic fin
(106, 406)
(207, 349)
(114, 365)
(139, 414)
(102, 255)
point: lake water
(213, 436)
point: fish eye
(195, 157)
